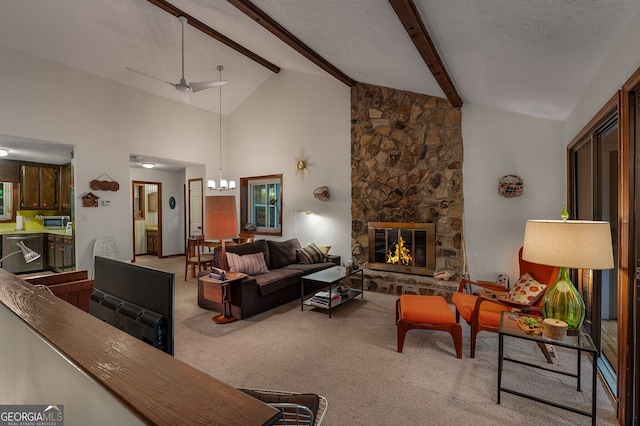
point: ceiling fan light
(148, 165)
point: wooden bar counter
(54, 353)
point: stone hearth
(398, 283)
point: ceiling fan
(183, 86)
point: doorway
(146, 218)
(196, 206)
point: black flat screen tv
(136, 299)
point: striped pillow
(251, 264)
(310, 254)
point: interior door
(195, 206)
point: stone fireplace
(402, 247)
(406, 167)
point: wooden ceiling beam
(283, 34)
(413, 24)
(169, 8)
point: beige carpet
(351, 359)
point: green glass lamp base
(562, 301)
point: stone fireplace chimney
(406, 161)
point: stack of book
(321, 299)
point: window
(261, 204)
(6, 197)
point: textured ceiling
(533, 57)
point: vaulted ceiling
(534, 57)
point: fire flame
(402, 255)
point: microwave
(55, 222)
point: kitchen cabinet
(9, 171)
(152, 242)
(66, 184)
(60, 256)
(39, 186)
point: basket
(510, 186)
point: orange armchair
(483, 313)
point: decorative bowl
(342, 289)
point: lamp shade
(577, 244)
(220, 217)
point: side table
(220, 292)
(580, 343)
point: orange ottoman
(426, 313)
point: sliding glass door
(594, 196)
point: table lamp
(28, 254)
(567, 244)
(220, 221)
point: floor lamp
(28, 254)
(577, 244)
(221, 224)
(221, 221)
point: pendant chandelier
(223, 184)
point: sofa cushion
(258, 246)
(282, 253)
(277, 279)
(251, 264)
(309, 268)
(310, 254)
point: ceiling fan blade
(150, 76)
(201, 85)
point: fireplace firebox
(402, 247)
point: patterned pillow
(310, 254)
(251, 264)
(525, 291)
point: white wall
(498, 143)
(623, 60)
(106, 122)
(288, 113)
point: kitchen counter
(60, 232)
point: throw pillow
(525, 291)
(325, 248)
(311, 254)
(283, 253)
(251, 264)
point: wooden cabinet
(152, 242)
(66, 184)
(39, 186)
(9, 171)
(153, 202)
(60, 255)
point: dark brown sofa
(260, 293)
